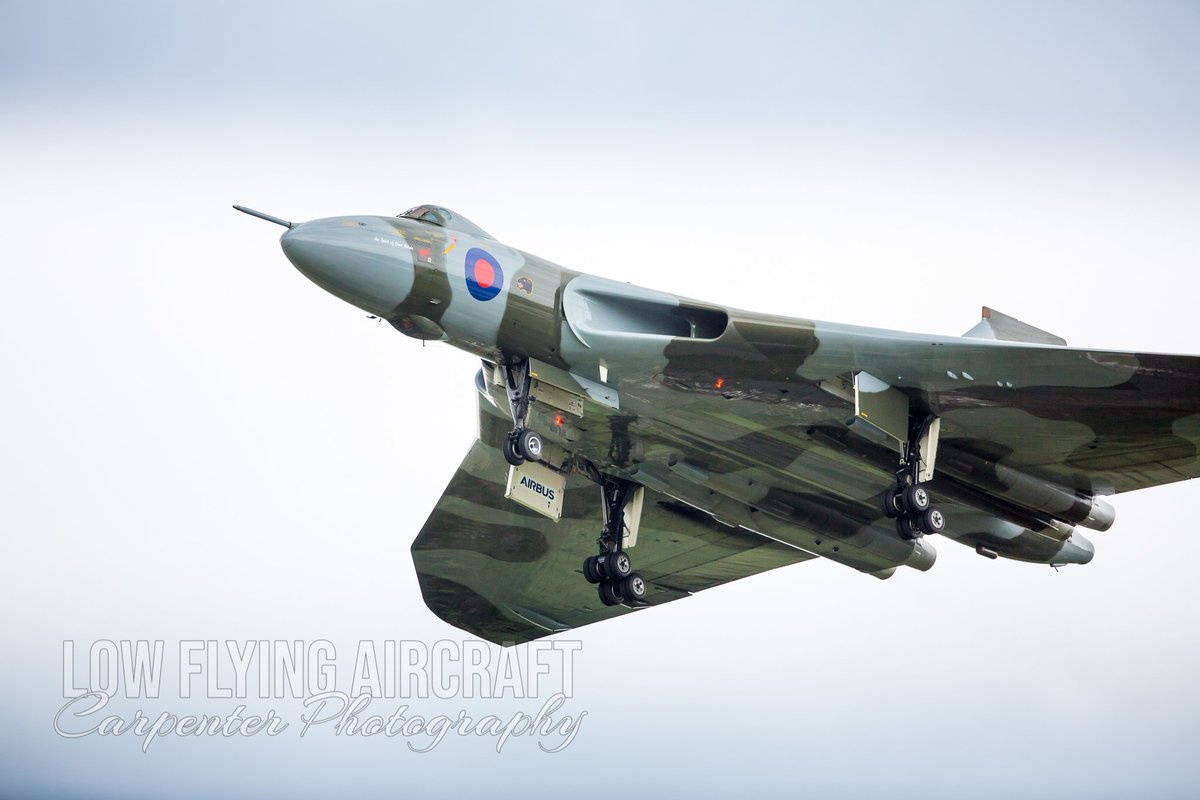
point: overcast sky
(200, 444)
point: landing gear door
(880, 411)
(928, 448)
(537, 487)
(633, 516)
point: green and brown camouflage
(739, 425)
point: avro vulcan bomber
(635, 446)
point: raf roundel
(484, 277)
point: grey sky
(1064, 73)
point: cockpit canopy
(445, 218)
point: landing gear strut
(612, 569)
(909, 503)
(521, 444)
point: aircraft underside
(636, 446)
(795, 478)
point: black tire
(618, 566)
(907, 528)
(932, 521)
(591, 570)
(510, 453)
(600, 567)
(892, 504)
(609, 594)
(529, 446)
(634, 587)
(916, 499)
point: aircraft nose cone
(339, 258)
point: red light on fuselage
(720, 382)
(558, 420)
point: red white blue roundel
(485, 279)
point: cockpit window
(445, 218)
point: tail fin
(995, 325)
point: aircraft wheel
(618, 565)
(933, 520)
(893, 503)
(529, 446)
(907, 528)
(510, 453)
(916, 499)
(591, 570)
(634, 587)
(609, 595)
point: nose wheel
(522, 445)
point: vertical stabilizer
(995, 325)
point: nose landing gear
(521, 444)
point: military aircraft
(635, 447)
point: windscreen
(445, 218)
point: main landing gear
(910, 503)
(521, 444)
(612, 569)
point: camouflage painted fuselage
(739, 424)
